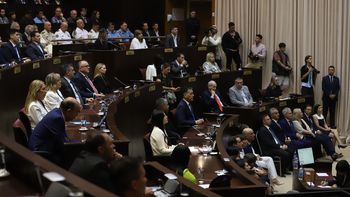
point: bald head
(84, 67)
(47, 26)
(249, 134)
(212, 85)
(80, 24)
(70, 108)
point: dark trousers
(329, 104)
(235, 56)
(308, 92)
(284, 155)
(326, 142)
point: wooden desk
(303, 186)
(23, 165)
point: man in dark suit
(84, 83)
(276, 127)
(172, 40)
(272, 146)
(49, 135)
(230, 45)
(92, 164)
(184, 112)
(211, 99)
(330, 88)
(179, 66)
(68, 88)
(11, 50)
(34, 50)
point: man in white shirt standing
(80, 32)
(63, 34)
(257, 54)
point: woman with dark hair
(159, 137)
(308, 78)
(102, 43)
(181, 158)
(321, 125)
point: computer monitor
(305, 156)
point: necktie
(189, 106)
(17, 52)
(217, 99)
(274, 137)
(91, 84)
(40, 49)
(76, 94)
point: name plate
(192, 79)
(126, 99)
(137, 94)
(77, 58)
(247, 72)
(36, 65)
(301, 100)
(152, 88)
(130, 52)
(17, 69)
(56, 60)
(262, 108)
(202, 48)
(283, 103)
(215, 76)
(168, 50)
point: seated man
(68, 88)
(184, 112)
(11, 51)
(49, 134)
(272, 146)
(63, 34)
(34, 50)
(124, 32)
(211, 99)
(179, 66)
(239, 94)
(92, 163)
(84, 83)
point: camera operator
(308, 78)
(211, 38)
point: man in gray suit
(239, 94)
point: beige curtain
(308, 27)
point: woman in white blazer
(53, 96)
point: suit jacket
(176, 69)
(236, 97)
(49, 136)
(67, 90)
(83, 85)
(288, 129)
(92, 168)
(277, 129)
(169, 41)
(209, 103)
(266, 140)
(309, 121)
(10, 54)
(304, 70)
(184, 116)
(34, 53)
(330, 88)
(103, 45)
(102, 85)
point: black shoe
(342, 145)
(287, 173)
(335, 156)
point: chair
(22, 129)
(26, 122)
(276, 159)
(221, 181)
(57, 190)
(164, 160)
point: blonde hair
(51, 81)
(34, 88)
(210, 54)
(97, 71)
(296, 113)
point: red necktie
(91, 84)
(217, 99)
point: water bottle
(103, 126)
(301, 172)
(295, 161)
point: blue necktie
(189, 106)
(274, 136)
(17, 52)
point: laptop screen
(306, 156)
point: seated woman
(273, 90)
(53, 96)
(167, 83)
(320, 138)
(34, 106)
(321, 125)
(99, 79)
(159, 136)
(180, 159)
(210, 66)
(153, 70)
(138, 42)
(102, 43)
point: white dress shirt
(159, 143)
(60, 35)
(36, 112)
(136, 44)
(53, 100)
(151, 72)
(81, 33)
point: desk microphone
(125, 86)
(194, 127)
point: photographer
(257, 54)
(211, 38)
(308, 78)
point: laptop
(306, 156)
(170, 188)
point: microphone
(125, 86)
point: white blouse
(53, 100)
(159, 144)
(36, 112)
(136, 44)
(151, 72)
(209, 67)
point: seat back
(148, 147)
(20, 133)
(26, 122)
(57, 190)
(143, 72)
(221, 181)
